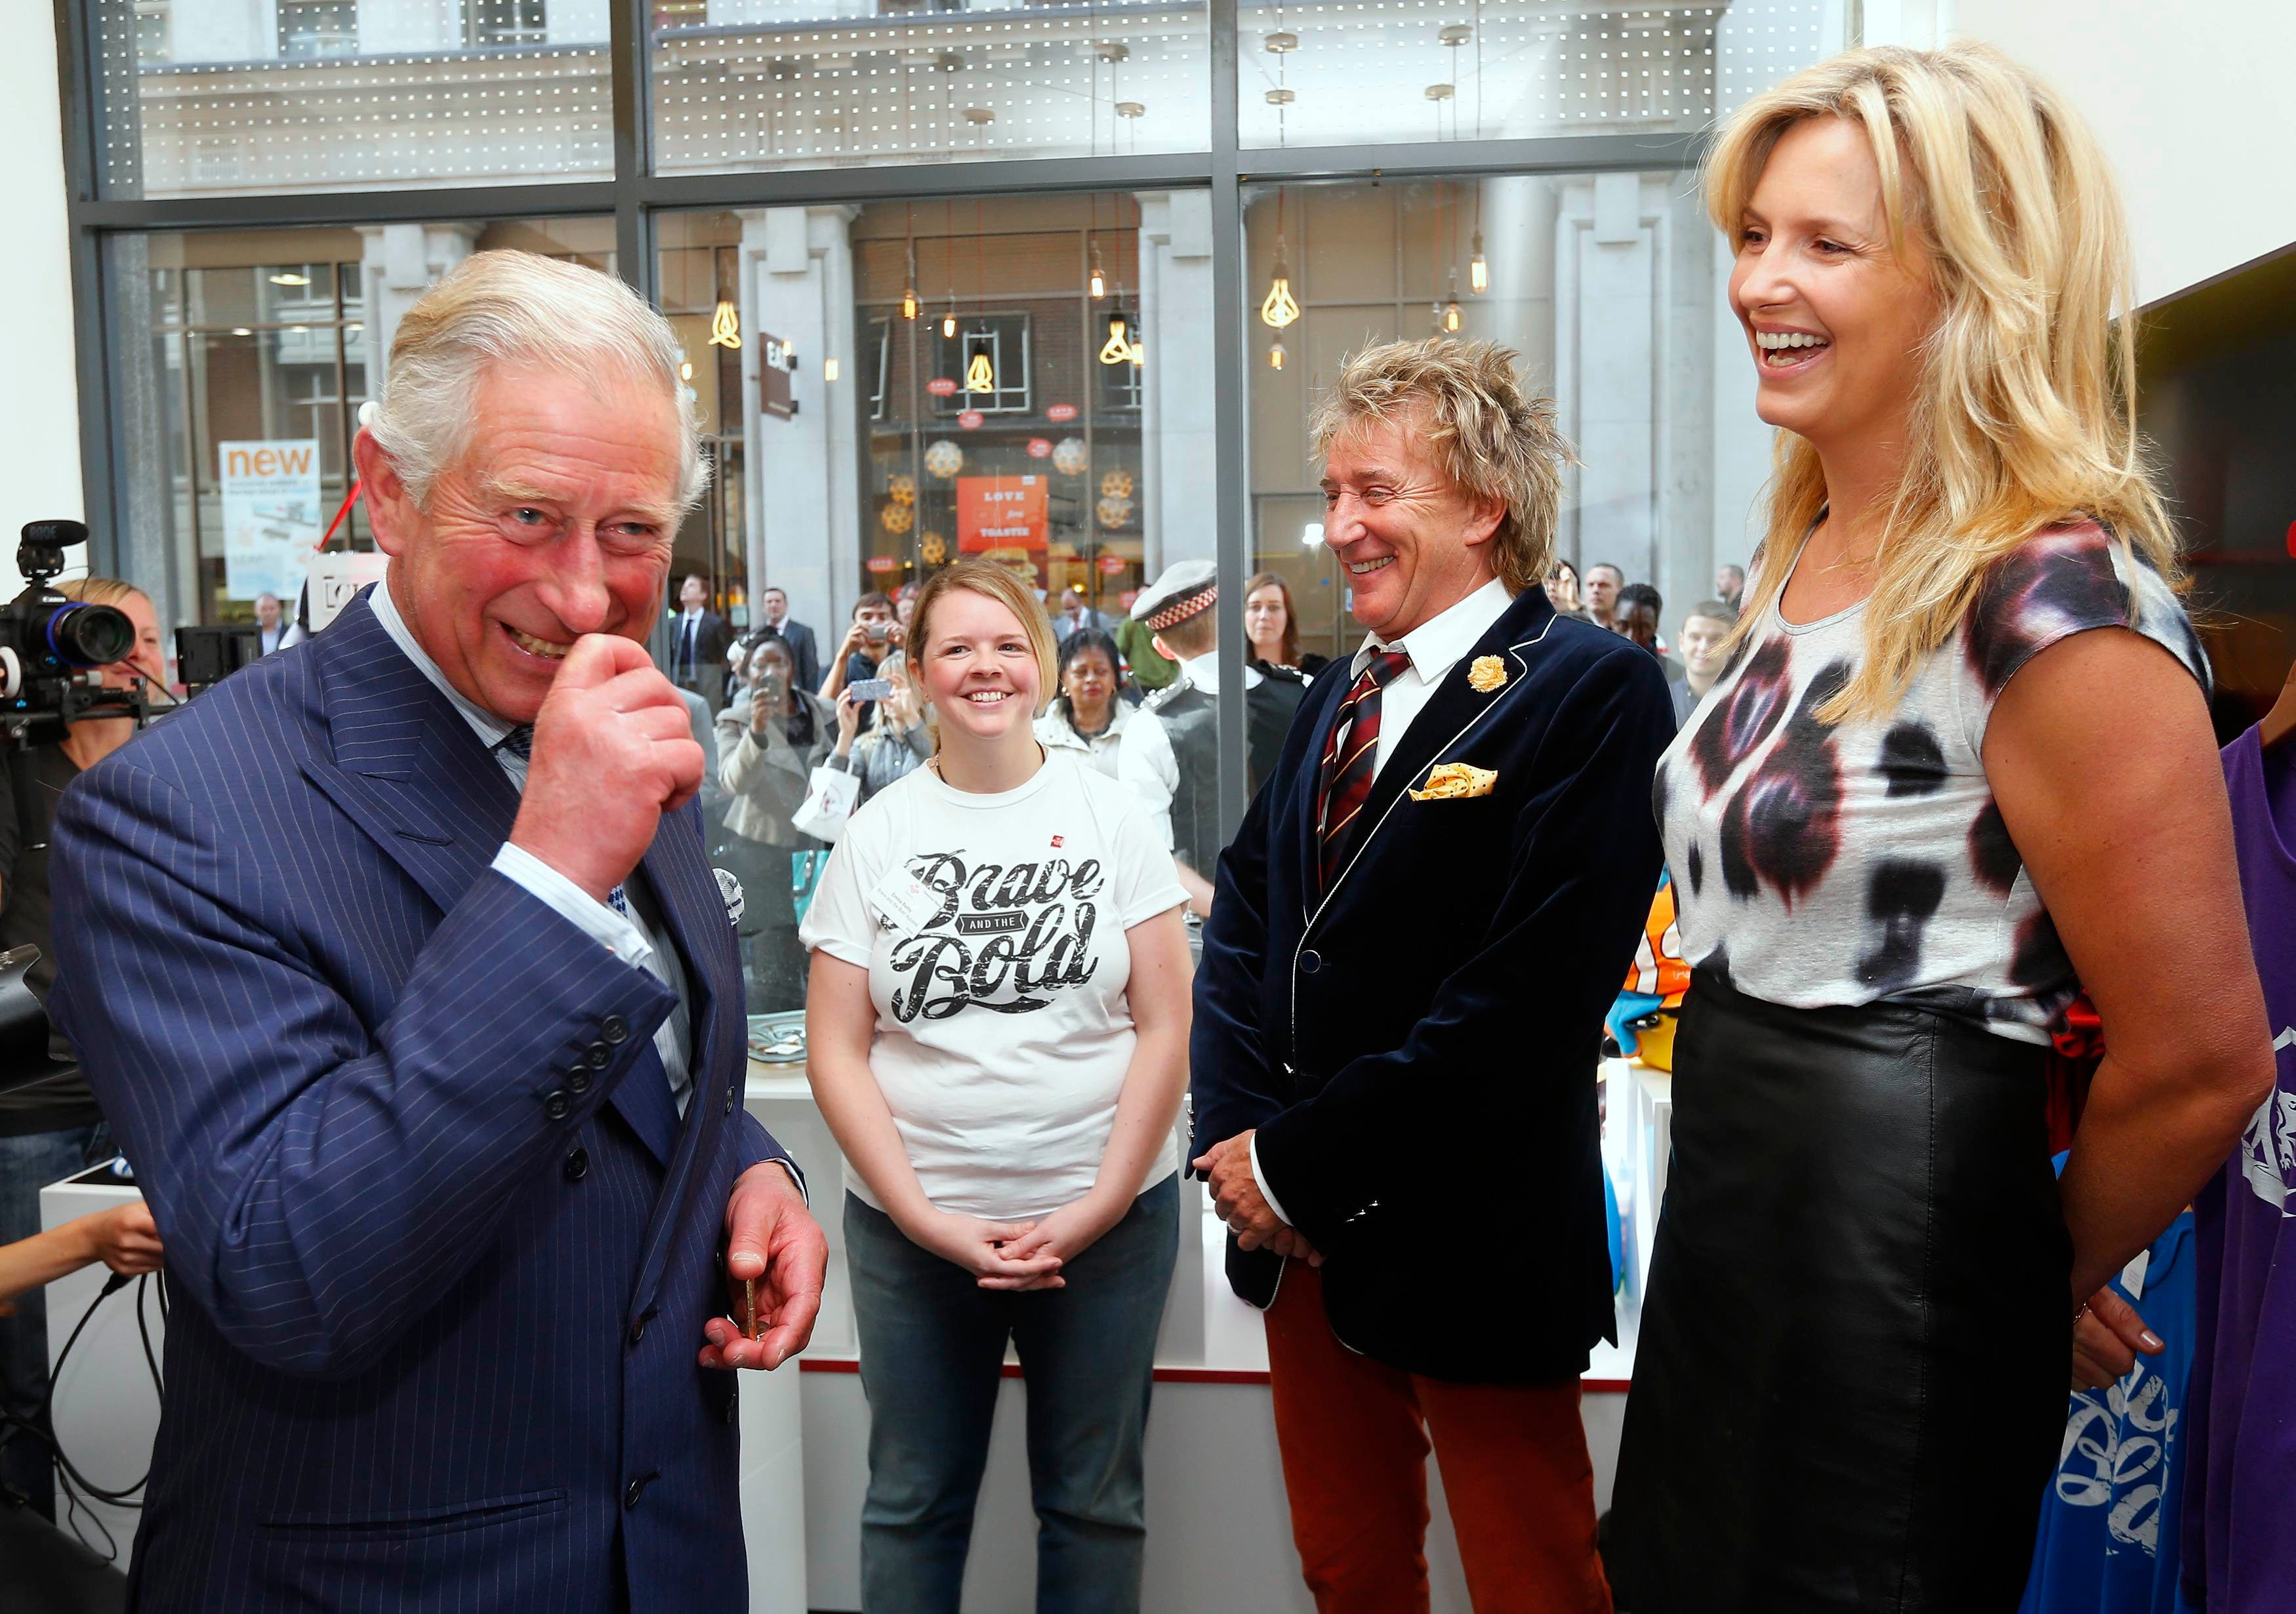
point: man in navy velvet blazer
(428, 1046)
(1399, 1011)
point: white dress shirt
(633, 939)
(1434, 647)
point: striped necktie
(520, 743)
(1343, 782)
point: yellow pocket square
(1456, 781)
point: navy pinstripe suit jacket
(442, 1245)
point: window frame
(636, 195)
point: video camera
(51, 648)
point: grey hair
(500, 308)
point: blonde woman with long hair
(999, 1024)
(1958, 767)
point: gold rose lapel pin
(1457, 782)
(1488, 674)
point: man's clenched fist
(613, 750)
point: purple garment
(2239, 1498)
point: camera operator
(51, 1129)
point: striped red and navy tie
(1344, 780)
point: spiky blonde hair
(2022, 415)
(1493, 437)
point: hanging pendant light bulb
(1451, 314)
(1099, 279)
(1276, 354)
(949, 322)
(1479, 272)
(1279, 308)
(981, 375)
(909, 304)
(1118, 349)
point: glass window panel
(1084, 477)
(220, 97)
(778, 84)
(1333, 72)
(265, 337)
(1624, 325)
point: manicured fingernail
(2151, 1340)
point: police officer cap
(1186, 588)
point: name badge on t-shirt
(905, 901)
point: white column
(1604, 341)
(399, 263)
(1177, 443)
(1633, 362)
(803, 475)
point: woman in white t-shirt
(998, 1027)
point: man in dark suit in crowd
(427, 1045)
(698, 639)
(1399, 1012)
(805, 650)
(271, 622)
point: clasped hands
(1236, 1196)
(1017, 1256)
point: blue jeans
(932, 1351)
(28, 1164)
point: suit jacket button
(637, 1489)
(616, 1029)
(1310, 962)
(577, 1080)
(577, 1164)
(556, 1105)
(598, 1056)
(637, 1331)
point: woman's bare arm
(2100, 754)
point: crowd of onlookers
(1693, 661)
(797, 742)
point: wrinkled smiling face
(556, 522)
(1414, 543)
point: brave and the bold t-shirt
(1818, 865)
(993, 930)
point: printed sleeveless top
(1817, 865)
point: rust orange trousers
(1355, 1434)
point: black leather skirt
(1850, 1385)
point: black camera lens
(90, 635)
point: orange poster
(1000, 512)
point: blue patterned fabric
(442, 1246)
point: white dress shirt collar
(1436, 644)
(490, 729)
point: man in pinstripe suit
(428, 1047)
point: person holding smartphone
(998, 1033)
(894, 743)
(873, 634)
